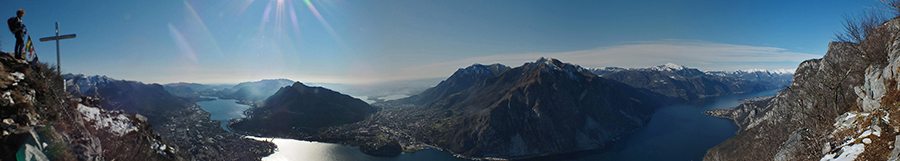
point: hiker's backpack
(13, 23)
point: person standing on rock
(18, 29)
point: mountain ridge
(539, 97)
(685, 84)
(303, 109)
(839, 107)
(175, 119)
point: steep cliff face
(842, 106)
(544, 107)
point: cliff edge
(843, 106)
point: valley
(424, 121)
(408, 80)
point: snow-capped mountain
(685, 83)
(780, 77)
(85, 85)
(668, 67)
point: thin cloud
(694, 54)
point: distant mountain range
(777, 77)
(195, 90)
(247, 92)
(174, 118)
(131, 96)
(684, 84)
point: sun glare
(279, 11)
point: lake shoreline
(625, 148)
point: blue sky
(356, 41)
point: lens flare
(294, 18)
(316, 13)
(183, 46)
(265, 17)
(267, 44)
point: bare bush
(861, 30)
(858, 27)
(892, 6)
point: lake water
(290, 149)
(677, 132)
(297, 150)
(223, 110)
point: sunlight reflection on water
(289, 149)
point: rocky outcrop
(842, 106)
(743, 114)
(40, 121)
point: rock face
(43, 122)
(744, 113)
(842, 106)
(544, 107)
(685, 84)
(303, 109)
(175, 119)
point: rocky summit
(462, 79)
(843, 106)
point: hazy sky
(357, 41)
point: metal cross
(57, 38)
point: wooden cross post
(57, 38)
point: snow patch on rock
(118, 124)
(668, 67)
(847, 153)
